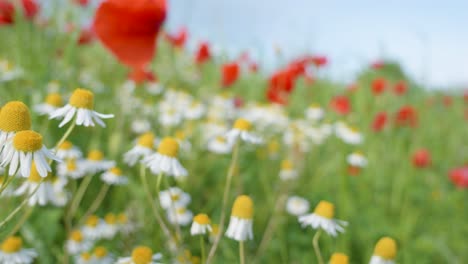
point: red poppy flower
(30, 8)
(230, 73)
(421, 158)
(129, 28)
(7, 12)
(380, 120)
(378, 86)
(140, 76)
(282, 80)
(319, 61)
(377, 65)
(203, 53)
(341, 105)
(459, 177)
(353, 170)
(253, 67)
(400, 88)
(406, 116)
(447, 100)
(177, 39)
(277, 96)
(82, 2)
(86, 36)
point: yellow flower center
(273, 147)
(146, 140)
(169, 147)
(221, 139)
(243, 207)
(242, 124)
(180, 135)
(142, 255)
(76, 236)
(339, 258)
(12, 244)
(116, 171)
(66, 145)
(15, 117)
(286, 165)
(214, 229)
(92, 221)
(175, 197)
(202, 219)
(110, 218)
(100, 252)
(386, 248)
(122, 218)
(27, 141)
(95, 155)
(82, 98)
(325, 209)
(86, 256)
(54, 99)
(34, 175)
(181, 210)
(71, 165)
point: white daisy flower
(323, 218)
(314, 113)
(348, 134)
(76, 243)
(9, 72)
(357, 159)
(143, 148)
(169, 115)
(124, 225)
(102, 256)
(61, 195)
(80, 107)
(195, 111)
(213, 129)
(174, 196)
(141, 255)
(114, 177)
(95, 162)
(84, 258)
(110, 226)
(92, 229)
(12, 252)
(154, 88)
(71, 168)
(241, 130)
(45, 193)
(179, 215)
(384, 252)
(53, 102)
(165, 159)
(201, 225)
(241, 222)
(219, 145)
(297, 206)
(26, 148)
(67, 150)
(287, 171)
(140, 126)
(14, 117)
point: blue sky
(429, 38)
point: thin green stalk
(202, 248)
(224, 205)
(97, 202)
(65, 136)
(22, 220)
(153, 205)
(241, 252)
(315, 243)
(79, 196)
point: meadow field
(203, 149)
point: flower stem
(6, 179)
(227, 187)
(20, 222)
(25, 201)
(153, 205)
(97, 202)
(202, 248)
(316, 246)
(65, 136)
(78, 197)
(241, 252)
